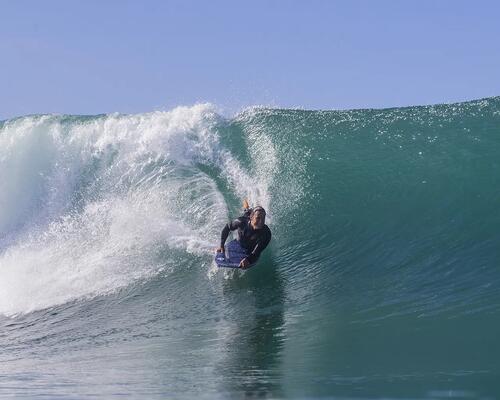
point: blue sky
(91, 57)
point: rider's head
(258, 217)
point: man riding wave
(253, 234)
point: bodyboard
(232, 257)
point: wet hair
(258, 209)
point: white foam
(90, 206)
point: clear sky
(90, 57)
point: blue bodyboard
(233, 256)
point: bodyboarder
(253, 234)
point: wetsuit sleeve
(259, 247)
(231, 226)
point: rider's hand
(220, 250)
(244, 263)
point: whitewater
(382, 279)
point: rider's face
(257, 220)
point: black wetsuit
(253, 240)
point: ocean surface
(382, 279)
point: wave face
(381, 280)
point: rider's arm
(231, 226)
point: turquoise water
(382, 279)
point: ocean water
(382, 279)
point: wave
(399, 203)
